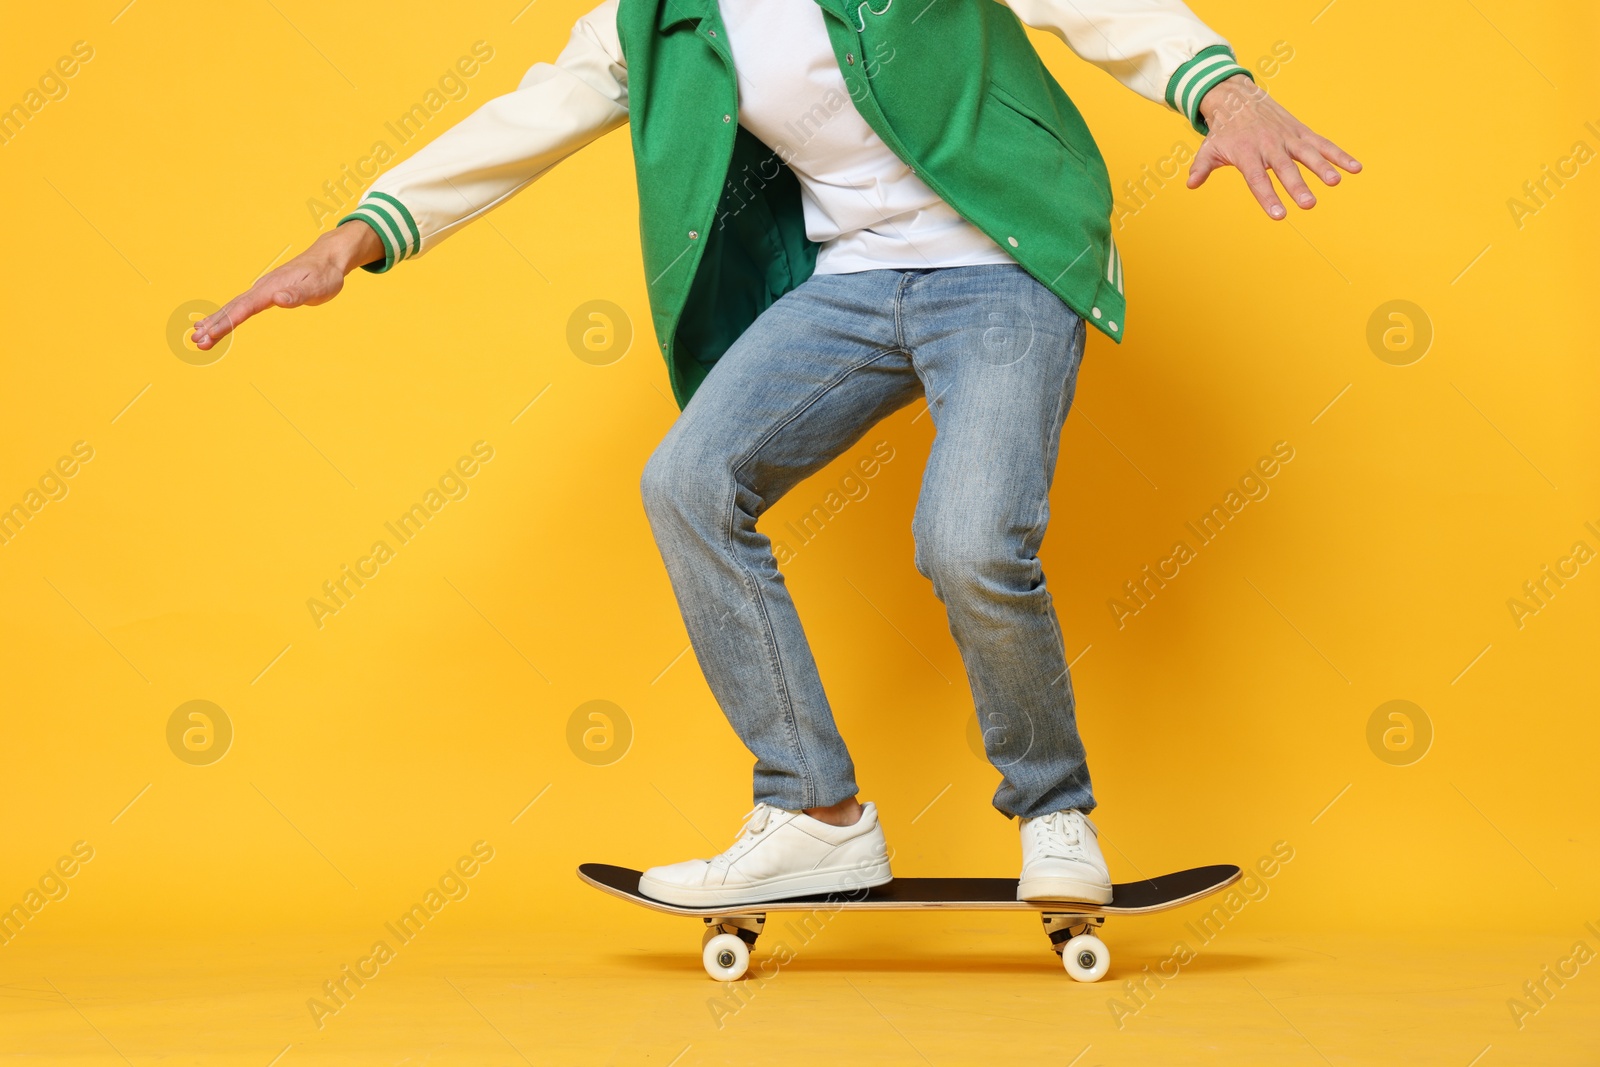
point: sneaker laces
(1059, 835)
(755, 824)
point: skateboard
(731, 930)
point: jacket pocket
(1024, 112)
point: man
(846, 205)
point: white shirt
(862, 204)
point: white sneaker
(779, 854)
(1061, 860)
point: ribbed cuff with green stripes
(1191, 82)
(394, 226)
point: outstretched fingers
(1337, 155)
(272, 290)
(1205, 161)
(1260, 183)
(1259, 163)
(1293, 182)
(220, 323)
(1323, 158)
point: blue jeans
(997, 354)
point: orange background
(369, 753)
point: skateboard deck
(731, 929)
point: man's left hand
(1253, 132)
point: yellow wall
(371, 752)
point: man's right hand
(313, 277)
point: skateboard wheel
(726, 957)
(1085, 957)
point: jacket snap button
(712, 32)
(727, 118)
(694, 235)
(1095, 312)
(1112, 325)
(1012, 241)
(850, 57)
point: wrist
(352, 244)
(1226, 99)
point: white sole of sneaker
(1065, 889)
(806, 884)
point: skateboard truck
(1075, 938)
(726, 943)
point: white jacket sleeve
(1158, 48)
(505, 144)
